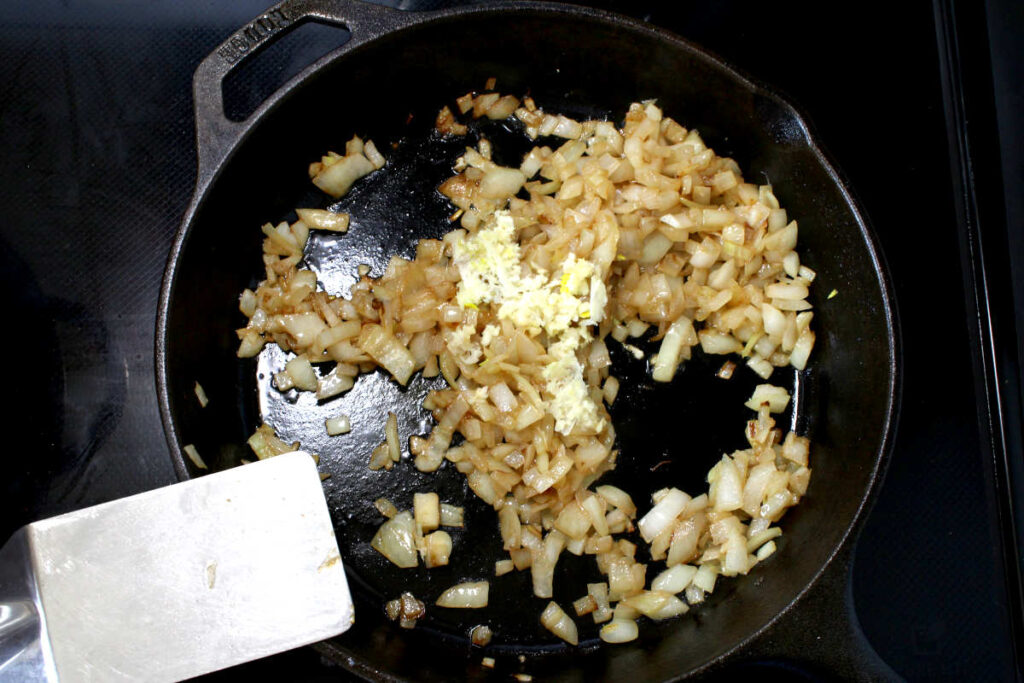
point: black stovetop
(97, 166)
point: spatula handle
(24, 647)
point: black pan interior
(390, 90)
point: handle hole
(261, 74)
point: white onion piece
(599, 592)
(777, 398)
(480, 635)
(625, 578)
(662, 515)
(302, 373)
(337, 178)
(509, 525)
(705, 578)
(584, 605)
(726, 492)
(542, 570)
(338, 425)
(624, 610)
(592, 505)
(333, 383)
(657, 604)
(796, 449)
(716, 342)
(441, 437)
(655, 247)
(373, 155)
(391, 438)
(193, 455)
(762, 367)
(380, 458)
(757, 483)
(619, 631)
(561, 624)
(503, 398)
(500, 182)
(469, 595)
(385, 507)
(395, 540)
(305, 327)
(250, 344)
(610, 390)
(482, 485)
(437, 549)
(786, 291)
(680, 333)
(426, 510)
(674, 579)
(573, 521)
(673, 607)
(324, 220)
(451, 515)
(390, 353)
(766, 550)
(247, 303)
(283, 381)
(618, 498)
(757, 540)
(802, 350)
(736, 560)
(201, 395)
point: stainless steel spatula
(175, 582)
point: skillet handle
(216, 135)
(820, 638)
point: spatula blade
(192, 577)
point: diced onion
(480, 635)
(469, 595)
(777, 398)
(765, 551)
(391, 438)
(680, 333)
(338, 425)
(201, 395)
(324, 220)
(302, 373)
(438, 548)
(193, 455)
(561, 624)
(619, 631)
(451, 515)
(705, 578)
(395, 540)
(662, 515)
(599, 592)
(384, 348)
(337, 178)
(332, 384)
(426, 510)
(674, 579)
(385, 507)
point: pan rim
(403, 21)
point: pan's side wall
(562, 61)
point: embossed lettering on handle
(257, 31)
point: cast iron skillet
(387, 83)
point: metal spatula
(175, 582)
